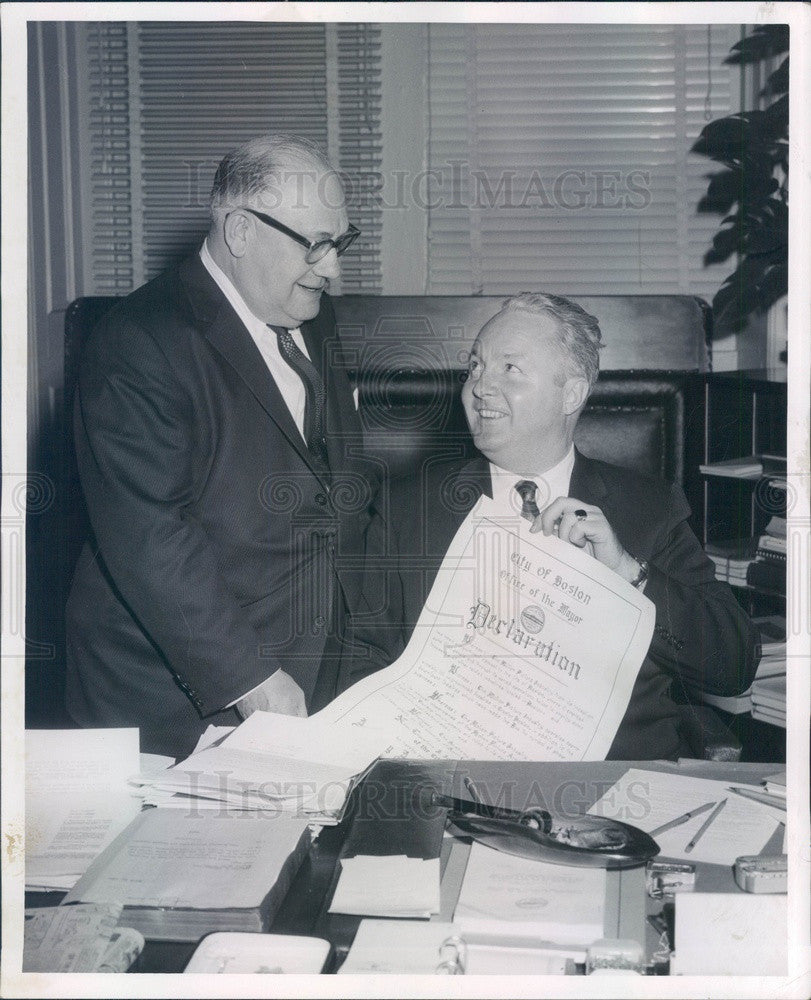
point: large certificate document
(527, 649)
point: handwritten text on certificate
(527, 649)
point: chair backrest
(645, 412)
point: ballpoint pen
(705, 826)
(763, 797)
(680, 819)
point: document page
(527, 649)
(171, 859)
(76, 799)
(651, 799)
(387, 886)
(730, 934)
(505, 898)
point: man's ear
(235, 233)
(575, 394)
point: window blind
(108, 216)
(560, 157)
(360, 150)
(203, 88)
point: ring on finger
(581, 514)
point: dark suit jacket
(219, 551)
(702, 639)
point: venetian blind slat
(360, 144)
(581, 156)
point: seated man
(530, 373)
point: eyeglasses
(316, 250)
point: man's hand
(592, 532)
(279, 693)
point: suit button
(321, 499)
(320, 621)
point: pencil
(705, 826)
(768, 800)
(680, 819)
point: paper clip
(452, 956)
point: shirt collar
(551, 484)
(255, 325)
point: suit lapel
(226, 333)
(586, 483)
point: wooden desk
(391, 814)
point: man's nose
(484, 385)
(329, 266)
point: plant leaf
(777, 82)
(724, 244)
(722, 192)
(774, 285)
(765, 40)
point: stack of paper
(772, 631)
(272, 762)
(392, 886)
(769, 686)
(529, 902)
(153, 766)
(77, 799)
(769, 700)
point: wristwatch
(642, 575)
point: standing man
(214, 426)
(530, 372)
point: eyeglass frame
(340, 245)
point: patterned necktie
(313, 388)
(526, 490)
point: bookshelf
(744, 477)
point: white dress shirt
(551, 484)
(289, 383)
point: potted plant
(752, 189)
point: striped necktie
(314, 391)
(526, 490)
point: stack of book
(732, 559)
(768, 570)
(768, 690)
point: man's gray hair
(578, 331)
(253, 167)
